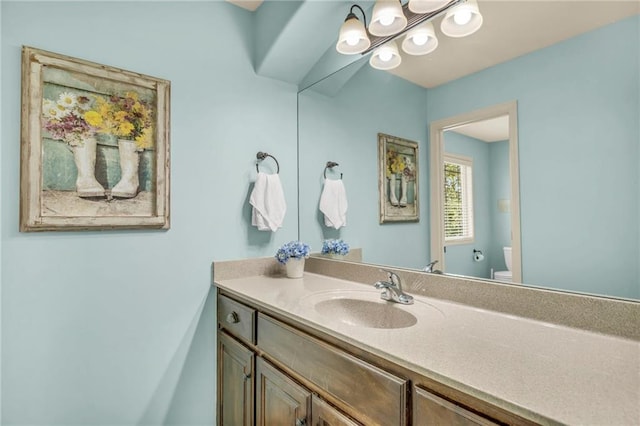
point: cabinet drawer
(376, 395)
(238, 319)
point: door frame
(436, 172)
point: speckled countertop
(545, 372)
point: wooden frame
(94, 146)
(398, 179)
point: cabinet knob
(301, 422)
(233, 318)
(247, 376)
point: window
(458, 199)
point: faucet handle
(393, 277)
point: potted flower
(292, 255)
(335, 248)
(130, 119)
(64, 119)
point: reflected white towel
(267, 199)
(333, 203)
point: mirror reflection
(477, 198)
(578, 154)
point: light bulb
(352, 39)
(462, 17)
(386, 20)
(420, 39)
(385, 56)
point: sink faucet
(429, 268)
(393, 289)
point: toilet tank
(507, 256)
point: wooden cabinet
(430, 409)
(282, 401)
(305, 378)
(235, 383)
(323, 414)
(279, 400)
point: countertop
(544, 372)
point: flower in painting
(63, 118)
(84, 103)
(127, 117)
(53, 110)
(93, 118)
(67, 100)
(293, 249)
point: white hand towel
(333, 203)
(267, 199)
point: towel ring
(262, 155)
(330, 165)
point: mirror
(578, 155)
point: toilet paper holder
(477, 255)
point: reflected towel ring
(261, 156)
(330, 165)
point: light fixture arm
(353, 15)
(413, 20)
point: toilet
(505, 275)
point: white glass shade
(427, 6)
(353, 37)
(386, 57)
(420, 40)
(388, 18)
(462, 20)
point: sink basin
(365, 308)
(365, 313)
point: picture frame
(398, 179)
(94, 146)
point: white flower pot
(295, 268)
(335, 256)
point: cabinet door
(235, 383)
(430, 409)
(279, 400)
(323, 414)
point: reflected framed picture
(94, 146)
(398, 179)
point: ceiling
(491, 130)
(511, 28)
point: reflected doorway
(475, 194)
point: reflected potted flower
(335, 248)
(293, 255)
(399, 166)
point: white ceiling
(251, 5)
(491, 130)
(510, 29)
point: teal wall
(578, 132)
(344, 129)
(492, 227)
(500, 190)
(118, 327)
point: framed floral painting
(94, 146)
(398, 179)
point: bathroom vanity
(325, 350)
